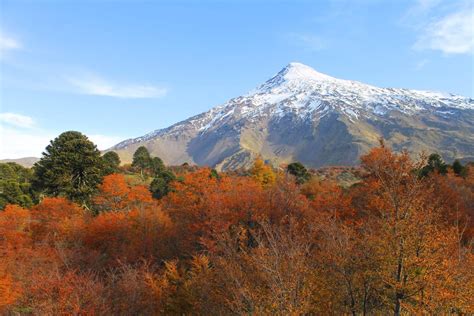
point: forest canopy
(82, 234)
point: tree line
(73, 167)
(99, 238)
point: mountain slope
(301, 114)
(26, 162)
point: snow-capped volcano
(301, 114)
(301, 85)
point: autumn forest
(83, 234)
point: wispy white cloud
(421, 64)
(450, 34)
(421, 7)
(7, 42)
(441, 25)
(17, 120)
(96, 85)
(427, 4)
(309, 41)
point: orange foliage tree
(412, 243)
(54, 218)
(113, 194)
(202, 206)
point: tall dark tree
(459, 169)
(299, 171)
(156, 165)
(160, 186)
(141, 160)
(214, 174)
(435, 163)
(71, 166)
(111, 162)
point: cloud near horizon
(19, 137)
(96, 85)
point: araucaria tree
(142, 160)
(71, 166)
(111, 162)
(160, 186)
(298, 170)
(435, 164)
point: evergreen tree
(435, 163)
(156, 165)
(298, 170)
(71, 166)
(214, 174)
(111, 162)
(459, 169)
(11, 193)
(160, 186)
(141, 160)
(15, 185)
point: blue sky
(120, 69)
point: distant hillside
(27, 162)
(303, 115)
